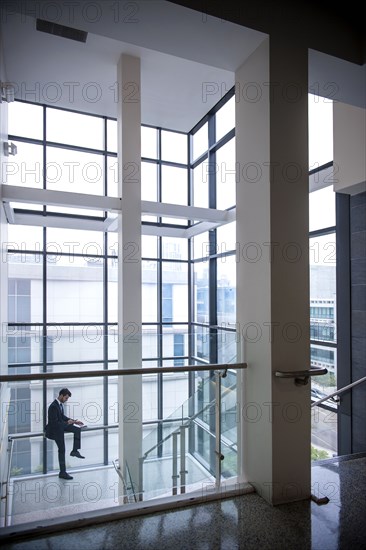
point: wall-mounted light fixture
(7, 92)
(10, 149)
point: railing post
(175, 463)
(141, 478)
(10, 458)
(218, 429)
(183, 470)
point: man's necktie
(62, 408)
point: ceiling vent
(61, 30)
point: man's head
(63, 395)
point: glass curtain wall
(323, 300)
(63, 282)
(213, 272)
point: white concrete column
(349, 130)
(4, 387)
(273, 268)
(129, 271)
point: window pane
(149, 342)
(112, 245)
(74, 171)
(226, 346)
(150, 403)
(149, 292)
(26, 168)
(323, 320)
(226, 291)
(323, 357)
(149, 181)
(200, 141)
(225, 178)
(322, 208)
(201, 246)
(174, 147)
(225, 119)
(112, 291)
(174, 248)
(175, 274)
(149, 246)
(323, 261)
(175, 343)
(25, 308)
(112, 136)
(226, 238)
(175, 391)
(74, 242)
(75, 129)
(167, 303)
(323, 288)
(200, 185)
(149, 142)
(201, 343)
(23, 237)
(320, 131)
(112, 177)
(76, 343)
(24, 345)
(112, 344)
(25, 120)
(174, 185)
(75, 290)
(201, 292)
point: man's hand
(77, 422)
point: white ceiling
(180, 49)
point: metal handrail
(120, 372)
(338, 392)
(301, 376)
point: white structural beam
(129, 267)
(183, 212)
(161, 231)
(60, 198)
(109, 225)
(63, 222)
(9, 212)
(203, 226)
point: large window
(63, 286)
(213, 272)
(322, 252)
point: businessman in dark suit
(58, 424)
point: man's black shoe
(65, 475)
(77, 454)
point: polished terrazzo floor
(245, 522)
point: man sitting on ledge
(57, 425)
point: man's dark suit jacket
(57, 421)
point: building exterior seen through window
(63, 285)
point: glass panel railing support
(218, 428)
(183, 470)
(175, 463)
(7, 493)
(130, 486)
(141, 478)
